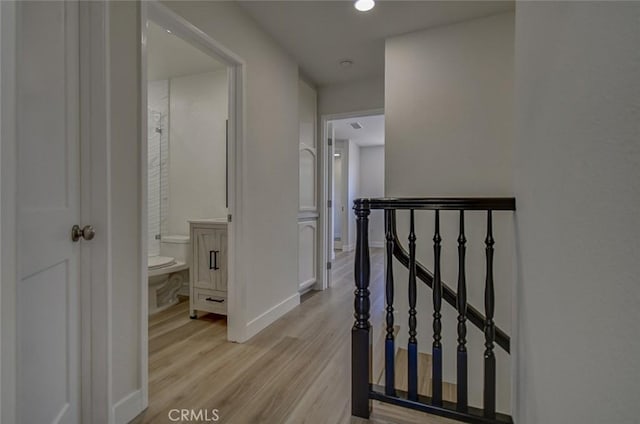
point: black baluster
(412, 347)
(436, 372)
(389, 344)
(489, 328)
(461, 304)
(361, 342)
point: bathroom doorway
(187, 114)
(191, 139)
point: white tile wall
(158, 156)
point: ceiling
(371, 133)
(320, 34)
(169, 56)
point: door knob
(87, 232)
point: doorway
(191, 142)
(355, 168)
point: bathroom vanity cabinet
(208, 276)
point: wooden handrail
(441, 203)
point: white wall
(448, 132)
(342, 146)
(577, 162)
(270, 158)
(157, 162)
(353, 191)
(338, 191)
(354, 96)
(198, 109)
(270, 169)
(363, 176)
(371, 184)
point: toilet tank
(177, 247)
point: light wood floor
(295, 371)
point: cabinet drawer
(210, 300)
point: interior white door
(48, 326)
(330, 196)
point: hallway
(296, 371)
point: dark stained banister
(489, 327)
(389, 347)
(363, 391)
(436, 349)
(441, 203)
(461, 361)
(448, 294)
(412, 348)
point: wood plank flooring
(295, 371)
(449, 391)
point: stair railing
(362, 389)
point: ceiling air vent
(355, 125)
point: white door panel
(48, 389)
(308, 200)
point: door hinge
(329, 204)
(328, 265)
(330, 142)
(229, 218)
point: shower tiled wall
(158, 161)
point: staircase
(438, 398)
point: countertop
(208, 221)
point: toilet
(169, 273)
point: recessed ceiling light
(364, 5)
(346, 63)
(168, 31)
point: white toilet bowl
(169, 273)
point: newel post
(361, 338)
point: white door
(330, 196)
(48, 327)
(308, 268)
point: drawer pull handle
(213, 259)
(211, 299)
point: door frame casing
(324, 255)
(154, 11)
(95, 208)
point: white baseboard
(261, 322)
(306, 286)
(376, 244)
(127, 408)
